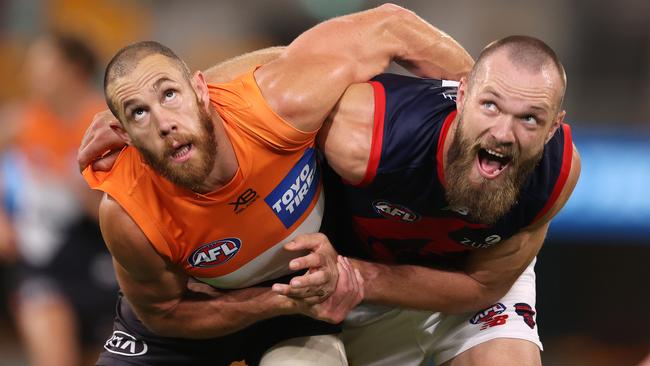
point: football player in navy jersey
(448, 192)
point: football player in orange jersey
(510, 106)
(248, 144)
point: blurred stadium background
(594, 270)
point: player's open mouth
(491, 163)
(181, 153)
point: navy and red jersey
(399, 210)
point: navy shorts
(133, 344)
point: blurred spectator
(63, 279)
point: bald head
(524, 52)
(128, 58)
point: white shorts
(379, 336)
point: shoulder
(567, 189)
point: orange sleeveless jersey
(233, 237)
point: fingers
(314, 286)
(310, 279)
(281, 289)
(311, 260)
(99, 139)
(106, 162)
(307, 242)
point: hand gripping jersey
(399, 210)
(233, 237)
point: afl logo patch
(395, 212)
(124, 344)
(215, 253)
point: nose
(166, 122)
(503, 130)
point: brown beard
(494, 197)
(190, 175)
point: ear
(461, 94)
(556, 124)
(201, 88)
(116, 126)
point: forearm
(426, 50)
(424, 288)
(200, 315)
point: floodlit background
(593, 272)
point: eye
(138, 114)
(169, 95)
(530, 120)
(490, 106)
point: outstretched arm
(305, 82)
(486, 277)
(173, 305)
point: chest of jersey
(403, 217)
(401, 214)
(237, 240)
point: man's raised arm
(486, 277)
(306, 81)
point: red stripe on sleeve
(441, 147)
(567, 157)
(377, 134)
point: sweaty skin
(518, 107)
(348, 49)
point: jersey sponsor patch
(215, 253)
(394, 211)
(124, 344)
(295, 192)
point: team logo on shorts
(124, 344)
(394, 211)
(291, 197)
(490, 317)
(527, 312)
(215, 253)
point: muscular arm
(486, 277)
(160, 294)
(305, 82)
